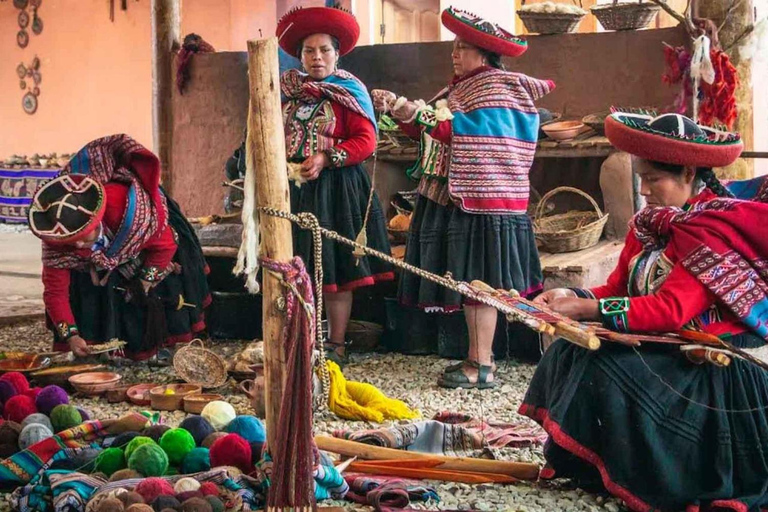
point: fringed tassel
(292, 484)
(248, 255)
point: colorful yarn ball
(177, 443)
(109, 505)
(216, 504)
(7, 390)
(249, 428)
(139, 507)
(208, 441)
(151, 488)
(219, 414)
(135, 443)
(165, 501)
(122, 440)
(196, 461)
(50, 397)
(155, 432)
(149, 460)
(32, 393)
(33, 434)
(199, 427)
(110, 461)
(129, 498)
(64, 417)
(124, 474)
(196, 505)
(209, 489)
(39, 418)
(186, 484)
(188, 495)
(18, 408)
(231, 450)
(18, 380)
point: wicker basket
(197, 365)
(550, 22)
(625, 15)
(571, 231)
(596, 121)
(195, 403)
(175, 402)
(364, 336)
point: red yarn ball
(151, 488)
(209, 489)
(19, 407)
(18, 380)
(32, 393)
(231, 450)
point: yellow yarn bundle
(359, 401)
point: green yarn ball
(196, 461)
(65, 416)
(110, 461)
(216, 504)
(149, 460)
(177, 443)
(135, 443)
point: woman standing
(119, 258)
(478, 140)
(652, 428)
(330, 129)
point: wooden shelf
(582, 269)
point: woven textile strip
(17, 186)
(495, 129)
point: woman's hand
(146, 285)
(383, 100)
(558, 293)
(406, 112)
(576, 309)
(311, 167)
(78, 346)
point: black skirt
(103, 313)
(338, 198)
(497, 249)
(653, 428)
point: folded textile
(387, 493)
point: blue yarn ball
(249, 428)
(199, 427)
(196, 461)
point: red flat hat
(481, 33)
(672, 139)
(67, 209)
(300, 23)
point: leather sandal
(457, 379)
(335, 352)
(460, 364)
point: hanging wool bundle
(248, 255)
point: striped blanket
(17, 186)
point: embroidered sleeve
(56, 298)
(358, 139)
(336, 156)
(613, 311)
(64, 331)
(158, 255)
(153, 274)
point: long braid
(707, 175)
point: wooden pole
(166, 29)
(267, 150)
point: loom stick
(706, 355)
(521, 470)
(467, 477)
(577, 336)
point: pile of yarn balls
(158, 494)
(31, 415)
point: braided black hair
(493, 59)
(705, 174)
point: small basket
(175, 402)
(550, 22)
(625, 15)
(596, 121)
(571, 231)
(197, 365)
(364, 336)
(195, 403)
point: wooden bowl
(194, 403)
(175, 402)
(94, 383)
(60, 374)
(563, 130)
(139, 394)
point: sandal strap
(483, 372)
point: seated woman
(119, 258)
(647, 424)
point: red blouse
(158, 254)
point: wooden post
(166, 28)
(740, 15)
(267, 149)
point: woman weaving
(478, 137)
(330, 129)
(648, 425)
(119, 258)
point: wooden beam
(166, 29)
(266, 149)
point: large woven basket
(571, 231)
(550, 22)
(363, 336)
(625, 15)
(197, 365)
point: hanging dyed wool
(719, 98)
